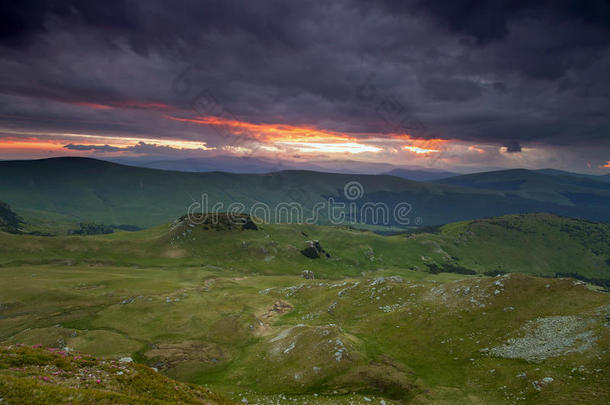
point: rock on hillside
(9, 221)
(548, 337)
(183, 227)
(314, 250)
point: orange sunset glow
(268, 132)
(271, 137)
(475, 148)
(31, 143)
(311, 139)
(58, 142)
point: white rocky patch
(340, 350)
(547, 337)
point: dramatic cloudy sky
(459, 85)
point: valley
(55, 194)
(304, 203)
(460, 315)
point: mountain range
(251, 164)
(71, 190)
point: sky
(449, 85)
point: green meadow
(408, 318)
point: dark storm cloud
(139, 148)
(502, 72)
(488, 21)
(146, 24)
(97, 148)
(452, 89)
(512, 146)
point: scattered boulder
(538, 385)
(308, 275)
(314, 250)
(381, 280)
(548, 337)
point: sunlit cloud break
(47, 140)
(419, 150)
(267, 132)
(338, 147)
(310, 139)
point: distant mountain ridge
(257, 165)
(555, 172)
(246, 165)
(552, 181)
(88, 190)
(421, 175)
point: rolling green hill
(555, 172)
(538, 244)
(72, 190)
(567, 190)
(408, 318)
(419, 317)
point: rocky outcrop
(212, 221)
(308, 275)
(9, 221)
(314, 250)
(249, 224)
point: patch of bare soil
(278, 308)
(168, 355)
(174, 253)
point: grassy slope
(196, 305)
(564, 189)
(67, 190)
(41, 376)
(535, 244)
(400, 339)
